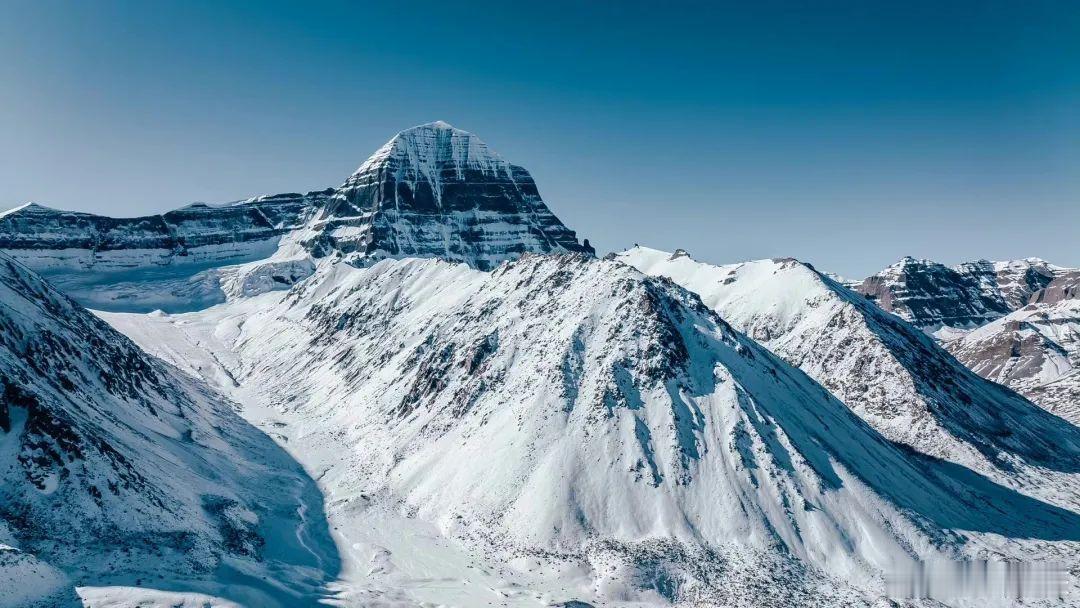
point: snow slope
(891, 374)
(118, 469)
(592, 430)
(26, 582)
(1034, 350)
(1009, 321)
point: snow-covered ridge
(173, 237)
(1008, 321)
(165, 261)
(566, 414)
(1034, 350)
(431, 191)
(890, 373)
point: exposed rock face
(1012, 281)
(930, 295)
(437, 191)
(1065, 286)
(166, 261)
(48, 239)
(1010, 322)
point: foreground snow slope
(572, 417)
(116, 468)
(891, 374)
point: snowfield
(564, 428)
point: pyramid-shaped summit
(437, 191)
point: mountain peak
(425, 152)
(441, 125)
(26, 208)
(437, 191)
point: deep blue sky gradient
(846, 134)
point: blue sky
(847, 134)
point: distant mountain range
(420, 388)
(1015, 322)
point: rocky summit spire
(437, 191)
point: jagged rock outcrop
(437, 191)
(1013, 281)
(931, 295)
(1011, 322)
(1064, 286)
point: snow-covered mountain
(602, 435)
(47, 239)
(890, 373)
(1011, 322)
(1034, 350)
(931, 295)
(431, 191)
(437, 191)
(119, 470)
(491, 415)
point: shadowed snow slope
(572, 410)
(116, 468)
(891, 374)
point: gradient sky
(847, 134)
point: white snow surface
(564, 428)
(423, 152)
(891, 374)
(27, 582)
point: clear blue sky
(847, 134)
